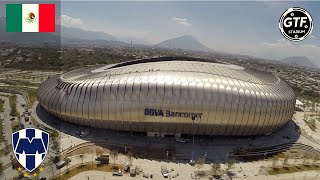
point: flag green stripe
(14, 17)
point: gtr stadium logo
(296, 24)
(168, 113)
(30, 147)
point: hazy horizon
(249, 28)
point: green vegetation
(53, 133)
(18, 83)
(1, 128)
(312, 124)
(215, 169)
(13, 105)
(305, 94)
(83, 168)
(114, 155)
(1, 168)
(1, 105)
(200, 163)
(32, 93)
(2, 151)
(52, 58)
(292, 169)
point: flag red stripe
(47, 18)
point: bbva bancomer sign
(168, 113)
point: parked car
(61, 164)
(132, 172)
(180, 140)
(103, 159)
(145, 175)
(192, 162)
(26, 119)
(127, 167)
(164, 171)
(117, 172)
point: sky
(234, 27)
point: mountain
(76, 33)
(186, 42)
(299, 61)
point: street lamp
(193, 139)
(125, 155)
(205, 155)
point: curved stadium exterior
(174, 95)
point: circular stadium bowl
(179, 95)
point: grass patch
(83, 168)
(1, 105)
(32, 93)
(2, 152)
(13, 105)
(292, 169)
(1, 127)
(19, 83)
(312, 124)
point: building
(299, 105)
(171, 96)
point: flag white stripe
(32, 26)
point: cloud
(69, 21)
(281, 43)
(314, 37)
(310, 46)
(284, 48)
(121, 32)
(181, 21)
(124, 32)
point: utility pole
(192, 140)
(125, 155)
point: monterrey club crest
(30, 146)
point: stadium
(171, 96)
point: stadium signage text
(168, 113)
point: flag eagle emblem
(30, 147)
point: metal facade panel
(232, 100)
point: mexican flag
(30, 18)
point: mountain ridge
(299, 61)
(185, 42)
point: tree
(82, 158)
(1, 168)
(274, 163)
(199, 163)
(313, 105)
(306, 157)
(99, 151)
(286, 161)
(130, 157)
(215, 168)
(67, 160)
(114, 155)
(230, 165)
(315, 159)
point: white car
(182, 140)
